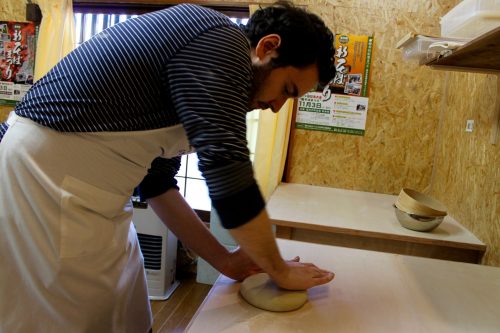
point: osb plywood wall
(467, 169)
(11, 11)
(397, 149)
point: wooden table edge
(380, 235)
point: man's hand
(298, 276)
(301, 276)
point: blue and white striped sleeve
(209, 83)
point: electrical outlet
(470, 125)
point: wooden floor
(174, 314)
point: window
(89, 24)
(93, 18)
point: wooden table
(372, 292)
(364, 220)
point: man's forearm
(257, 239)
(178, 216)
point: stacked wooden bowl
(418, 211)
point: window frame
(137, 7)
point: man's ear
(267, 46)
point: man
(117, 113)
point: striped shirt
(184, 65)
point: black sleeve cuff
(160, 178)
(151, 186)
(239, 208)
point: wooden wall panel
(398, 147)
(14, 10)
(4, 112)
(467, 169)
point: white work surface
(372, 292)
(356, 213)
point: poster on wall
(17, 60)
(342, 105)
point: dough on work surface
(260, 291)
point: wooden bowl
(414, 202)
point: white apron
(69, 257)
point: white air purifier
(159, 248)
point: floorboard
(174, 314)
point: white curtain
(56, 34)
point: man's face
(273, 86)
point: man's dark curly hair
(305, 39)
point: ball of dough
(260, 291)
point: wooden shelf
(478, 55)
(481, 55)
